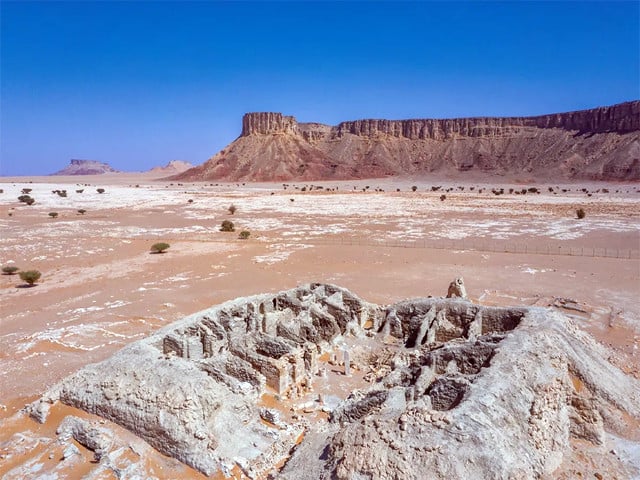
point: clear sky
(137, 84)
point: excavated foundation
(428, 380)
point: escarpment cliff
(597, 144)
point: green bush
(159, 247)
(53, 214)
(580, 213)
(227, 226)
(10, 270)
(30, 276)
(244, 234)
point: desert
(102, 288)
(315, 240)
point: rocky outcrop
(86, 167)
(266, 123)
(622, 118)
(464, 391)
(599, 144)
(172, 168)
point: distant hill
(86, 167)
(598, 144)
(172, 168)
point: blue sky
(137, 84)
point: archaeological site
(315, 382)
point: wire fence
(467, 244)
(479, 245)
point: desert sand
(101, 288)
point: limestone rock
(457, 289)
(460, 390)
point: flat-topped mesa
(621, 118)
(265, 123)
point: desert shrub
(414, 188)
(1, 190)
(10, 270)
(443, 197)
(27, 190)
(62, 193)
(30, 276)
(82, 211)
(397, 189)
(25, 198)
(435, 189)
(227, 226)
(244, 234)
(190, 200)
(100, 190)
(304, 189)
(80, 191)
(605, 190)
(532, 190)
(580, 213)
(232, 209)
(159, 247)
(53, 214)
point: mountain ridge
(602, 143)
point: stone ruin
(463, 390)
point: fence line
(477, 245)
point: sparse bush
(414, 188)
(100, 190)
(443, 197)
(10, 270)
(580, 213)
(159, 247)
(82, 211)
(232, 209)
(62, 193)
(53, 214)
(227, 226)
(30, 276)
(80, 191)
(27, 190)
(244, 234)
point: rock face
(601, 143)
(86, 167)
(461, 390)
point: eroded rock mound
(461, 390)
(86, 167)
